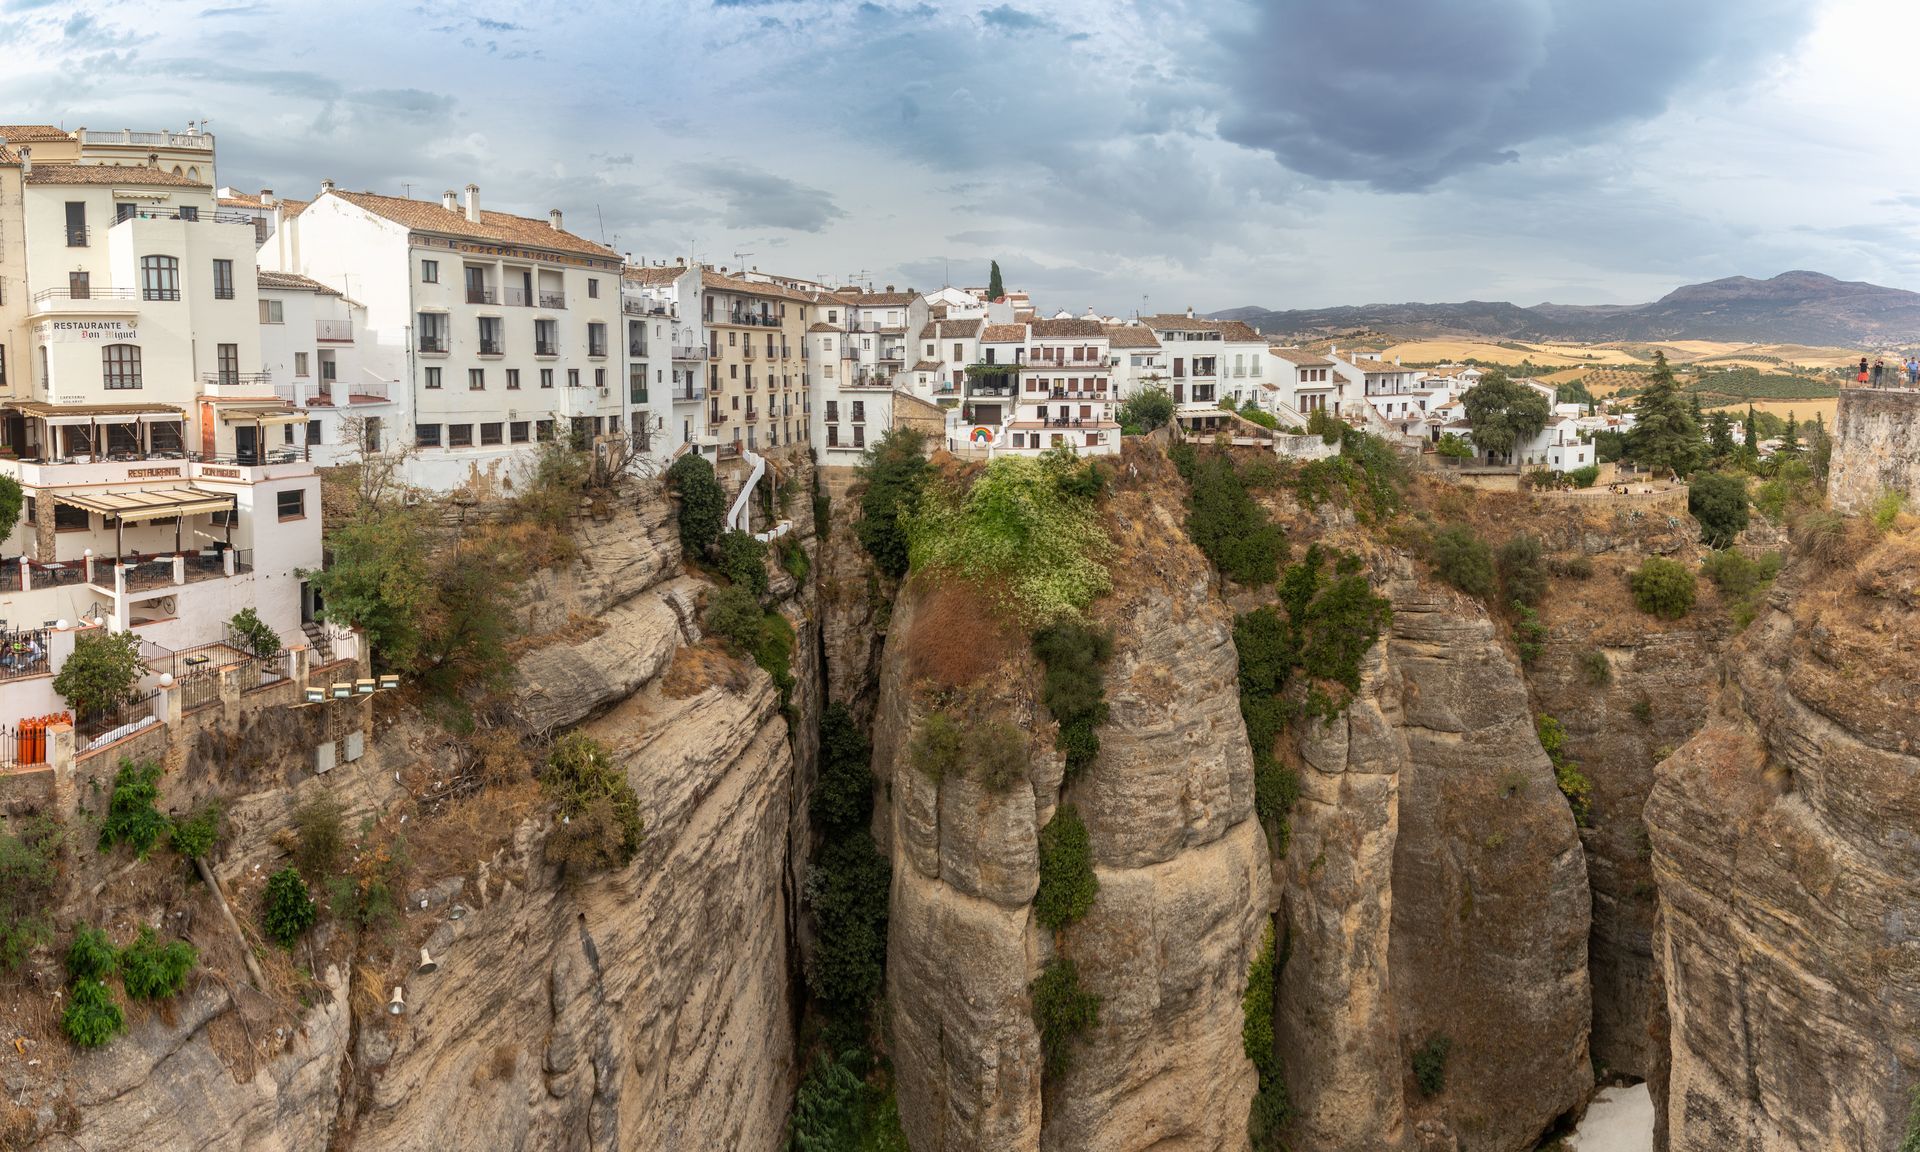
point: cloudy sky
(1213, 153)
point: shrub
(319, 836)
(935, 750)
(1912, 1141)
(91, 956)
(703, 503)
(896, 474)
(1463, 560)
(1577, 567)
(600, 823)
(842, 799)
(196, 836)
(1256, 1008)
(847, 888)
(378, 579)
(1430, 1065)
(92, 1019)
(100, 671)
(1584, 477)
(1230, 527)
(255, 635)
(1268, 1117)
(290, 909)
(1732, 572)
(793, 557)
(1325, 425)
(1523, 569)
(1663, 588)
(1529, 635)
(1887, 509)
(132, 818)
(1067, 882)
(1063, 1011)
(1454, 448)
(733, 614)
(1074, 654)
(1000, 750)
(29, 873)
(1824, 537)
(150, 970)
(1147, 410)
(743, 560)
(1573, 784)
(1598, 671)
(1718, 500)
(827, 1109)
(1643, 710)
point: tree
(1719, 501)
(995, 288)
(896, 471)
(1752, 434)
(1666, 434)
(256, 634)
(1504, 414)
(1663, 588)
(12, 499)
(1145, 411)
(378, 581)
(1790, 439)
(1453, 447)
(703, 504)
(101, 671)
(1719, 435)
(1230, 527)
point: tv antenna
(740, 260)
(855, 278)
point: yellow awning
(149, 503)
(263, 416)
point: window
(573, 377)
(593, 288)
(517, 431)
(859, 411)
(313, 431)
(513, 379)
(160, 279)
(189, 212)
(833, 411)
(3, 366)
(228, 358)
(459, 435)
(69, 519)
(859, 436)
(223, 279)
(76, 224)
(546, 337)
(492, 342)
(291, 505)
(259, 231)
(273, 312)
(613, 423)
(543, 429)
(637, 384)
(476, 379)
(300, 364)
(600, 378)
(429, 271)
(427, 435)
(490, 433)
(120, 366)
(546, 377)
(122, 211)
(433, 376)
(433, 331)
(80, 285)
(833, 435)
(596, 339)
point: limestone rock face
(1876, 447)
(853, 600)
(1435, 888)
(1787, 869)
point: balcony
(637, 351)
(752, 319)
(870, 380)
(333, 331)
(196, 140)
(687, 394)
(716, 417)
(1002, 390)
(554, 300)
(493, 347)
(644, 308)
(689, 352)
(433, 345)
(482, 295)
(190, 215)
(598, 350)
(545, 348)
(259, 380)
(82, 299)
(332, 393)
(747, 353)
(78, 235)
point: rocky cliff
(1783, 851)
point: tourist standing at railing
(1879, 370)
(1862, 378)
(1913, 371)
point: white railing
(199, 140)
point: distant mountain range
(1791, 308)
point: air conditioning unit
(603, 391)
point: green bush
(837, 1110)
(743, 561)
(1230, 527)
(600, 823)
(1146, 410)
(847, 888)
(91, 956)
(1267, 1119)
(1453, 447)
(1325, 425)
(290, 909)
(29, 875)
(1576, 567)
(1598, 671)
(1886, 510)
(1463, 560)
(1067, 882)
(320, 836)
(703, 503)
(1271, 1107)
(1911, 1143)
(935, 750)
(1718, 500)
(1075, 654)
(1573, 783)
(1663, 588)
(793, 557)
(1732, 572)
(150, 970)
(1430, 1065)
(1063, 1011)
(1529, 635)
(1823, 536)
(196, 836)
(256, 636)
(1584, 477)
(92, 1019)
(132, 818)
(1000, 751)
(842, 799)
(1523, 569)
(733, 614)
(101, 671)
(896, 473)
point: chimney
(26, 161)
(266, 197)
(326, 186)
(889, 287)
(553, 220)
(473, 203)
(450, 200)
(681, 261)
(1189, 311)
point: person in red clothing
(1863, 371)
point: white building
(310, 353)
(1209, 361)
(1056, 389)
(1138, 361)
(502, 330)
(1307, 383)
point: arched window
(176, 170)
(193, 173)
(159, 278)
(120, 366)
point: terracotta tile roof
(31, 133)
(1239, 330)
(1228, 329)
(1004, 334)
(724, 283)
(938, 311)
(292, 207)
(288, 282)
(7, 157)
(1374, 366)
(929, 366)
(1132, 336)
(1062, 329)
(138, 174)
(498, 227)
(882, 299)
(823, 326)
(653, 276)
(971, 327)
(1302, 357)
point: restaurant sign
(85, 331)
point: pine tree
(1665, 434)
(995, 287)
(1790, 439)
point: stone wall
(1876, 447)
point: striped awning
(149, 503)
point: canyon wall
(1876, 447)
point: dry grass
(698, 667)
(577, 630)
(958, 635)
(498, 1066)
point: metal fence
(25, 653)
(25, 744)
(199, 689)
(97, 727)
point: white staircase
(737, 518)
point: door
(370, 434)
(246, 444)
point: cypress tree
(995, 288)
(1753, 434)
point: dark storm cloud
(759, 199)
(1402, 93)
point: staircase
(317, 641)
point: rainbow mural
(981, 434)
